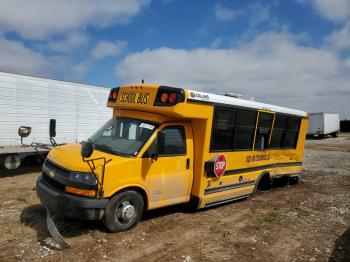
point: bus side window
(174, 141)
(263, 131)
(285, 132)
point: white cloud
(340, 39)
(17, 58)
(273, 67)
(224, 13)
(69, 43)
(106, 48)
(334, 10)
(41, 18)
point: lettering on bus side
(256, 158)
(134, 98)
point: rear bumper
(68, 205)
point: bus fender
(135, 187)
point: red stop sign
(220, 165)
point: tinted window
(244, 134)
(276, 138)
(246, 118)
(264, 129)
(223, 126)
(244, 138)
(233, 129)
(174, 141)
(285, 132)
(280, 121)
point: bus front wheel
(123, 211)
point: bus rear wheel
(264, 183)
(123, 211)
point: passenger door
(169, 177)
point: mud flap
(54, 232)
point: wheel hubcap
(127, 211)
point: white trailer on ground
(79, 110)
(323, 124)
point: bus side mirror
(52, 127)
(24, 131)
(158, 145)
(86, 149)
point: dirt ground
(307, 222)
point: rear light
(172, 98)
(169, 96)
(113, 95)
(164, 97)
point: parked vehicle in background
(345, 125)
(79, 110)
(323, 124)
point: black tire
(264, 183)
(335, 134)
(294, 180)
(123, 211)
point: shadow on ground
(22, 170)
(341, 251)
(34, 216)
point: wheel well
(263, 181)
(140, 190)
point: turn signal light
(81, 192)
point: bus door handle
(187, 163)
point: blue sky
(294, 53)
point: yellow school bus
(166, 145)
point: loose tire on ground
(123, 211)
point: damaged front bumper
(67, 205)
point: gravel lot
(307, 222)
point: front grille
(53, 183)
(56, 168)
(55, 175)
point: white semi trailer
(78, 110)
(323, 124)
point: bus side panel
(243, 169)
(201, 140)
(302, 137)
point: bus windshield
(122, 136)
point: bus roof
(203, 97)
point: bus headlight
(84, 178)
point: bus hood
(69, 157)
